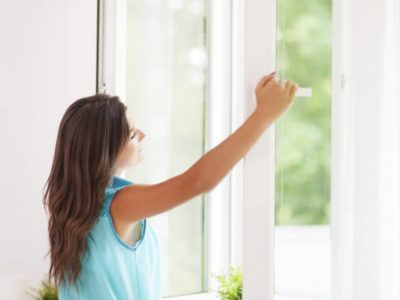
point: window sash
(112, 80)
(246, 30)
(259, 164)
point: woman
(100, 242)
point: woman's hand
(274, 95)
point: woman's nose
(141, 134)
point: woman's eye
(133, 136)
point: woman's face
(132, 153)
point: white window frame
(342, 129)
(111, 80)
(259, 58)
(242, 48)
(259, 164)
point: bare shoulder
(139, 201)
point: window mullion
(259, 164)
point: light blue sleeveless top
(113, 269)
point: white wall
(47, 60)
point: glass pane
(166, 78)
(303, 141)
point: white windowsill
(201, 296)
(277, 297)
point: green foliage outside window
(303, 134)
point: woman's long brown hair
(91, 135)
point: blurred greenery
(303, 133)
(46, 291)
(230, 285)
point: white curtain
(366, 196)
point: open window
(187, 71)
(302, 152)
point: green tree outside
(303, 134)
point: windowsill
(201, 296)
(277, 297)
(208, 296)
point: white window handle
(304, 92)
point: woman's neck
(118, 172)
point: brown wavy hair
(91, 135)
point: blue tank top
(113, 269)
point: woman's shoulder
(118, 182)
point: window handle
(304, 92)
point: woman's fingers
(264, 80)
(282, 82)
(293, 89)
(288, 84)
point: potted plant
(47, 291)
(230, 285)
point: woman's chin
(139, 157)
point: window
(153, 54)
(166, 76)
(181, 66)
(303, 135)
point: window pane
(166, 69)
(303, 135)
